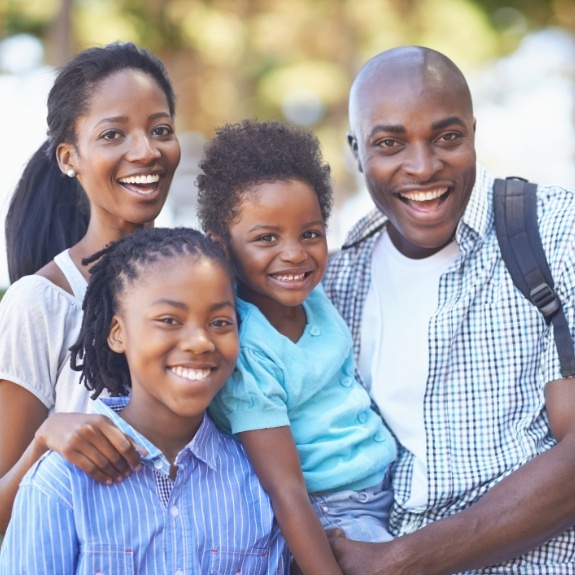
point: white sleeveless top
(38, 323)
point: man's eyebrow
(391, 128)
(440, 124)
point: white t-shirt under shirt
(394, 357)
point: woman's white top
(39, 321)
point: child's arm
(274, 455)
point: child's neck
(168, 434)
(290, 321)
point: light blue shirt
(214, 518)
(310, 386)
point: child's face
(278, 246)
(177, 327)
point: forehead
(126, 87)
(281, 195)
(174, 273)
(408, 98)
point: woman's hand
(92, 443)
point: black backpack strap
(515, 202)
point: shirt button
(179, 572)
(314, 330)
(158, 463)
(362, 417)
(174, 511)
(379, 437)
(347, 381)
(325, 509)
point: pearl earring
(71, 173)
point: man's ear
(352, 143)
(66, 157)
(116, 335)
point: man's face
(413, 139)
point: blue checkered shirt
(490, 356)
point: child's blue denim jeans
(362, 515)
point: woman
(111, 153)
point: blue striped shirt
(214, 518)
(490, 355)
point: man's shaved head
(406, 64)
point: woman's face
(126, 150)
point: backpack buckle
(545, 299)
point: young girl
(159, 320)
(104, 172)
(265, 194)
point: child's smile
(278, 245)
(178, 330)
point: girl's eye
(168, 320)
(163, 131)
(222, 323)
(110, 135)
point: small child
(159, 320)
(265, 195)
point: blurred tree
(290, 59)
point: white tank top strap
(72, 273)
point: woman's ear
(66, 157)
(116, 335)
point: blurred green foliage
(286, 59)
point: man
(463, 368)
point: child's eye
(168, 320)
(266, 238)
(222, 323)
(311, 235)
(110, 135)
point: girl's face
(178, 330)
(278, 246)
(126, 150)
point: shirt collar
(204, 446)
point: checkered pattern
(490, 356)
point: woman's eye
(163, 131)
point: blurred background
(294, 60)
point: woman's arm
(274, 455)
(92, 442)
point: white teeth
(191, 374)
(149, 179)
(289, 277)
(424, 196)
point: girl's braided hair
(116, 267)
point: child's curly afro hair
(242, 156)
